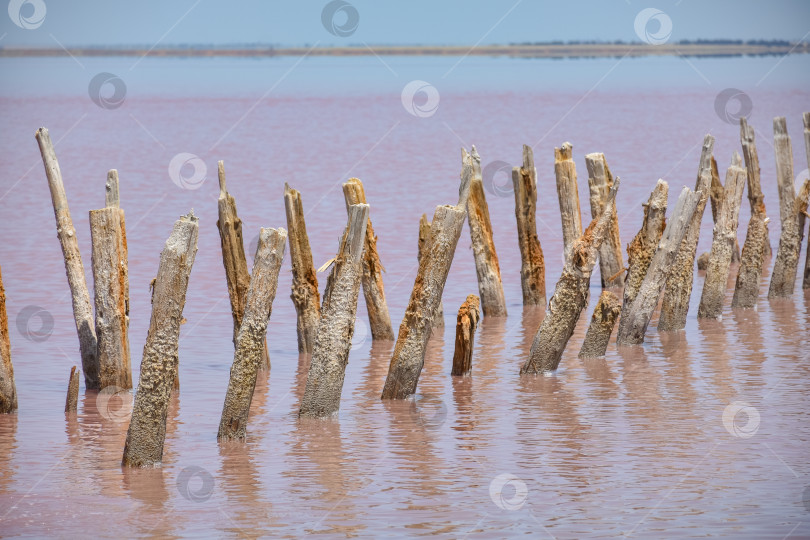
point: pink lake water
(642, 443)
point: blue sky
(451, 22)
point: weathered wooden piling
(72, 398)
(602, 322)
(379, 321)
(725, 233)
(424, 239)
(490, 287)
(80, 296)
(610, 253)
(250, 340)
(641, 249)
(636, 317)
(233, 257)
(716, 195)
(305, 295)
(409, 351)
(466, 323)
(570, 294)
(756, 199)
(8, 390)
(147, 429)
(333, 341)
(568, 194)
(806, 121)
(783, 277)
(532, 263)
(678, 288)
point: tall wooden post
(532, 263)
(783, 277)
(8, 390)
(610, 253)
(568, 194)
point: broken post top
(746, 131)
(112, 199)
(706, 152)
(467, 175)
(223, 190)
(354, 192)
(565, 152)
(357, 213)
(780, 126)
(736, 160)
(528, 160)
(583, 250)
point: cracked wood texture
(570, 294)
(72, 398)
(716, 196)
(333, 342)
(567, 192)
(636, 317)
(487, 268)
(678, 289)
(147, 429)
(783, 276)
(424, 238)
(409, 351)
(806, 121)
(305, 295)
(466, 323)
(724, 235)
(8, 390)
(602, 322)
(610, 252)
(379, 320)
(532, 263)
(250, 340)
(80, 296)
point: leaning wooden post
(678, 289)
(571, 293)
(602, 322)
(409, 351)
(532, 263)
(82, 309)
(250, 340)
(806, 279)
(305, 294)
(8, 390)
(466, 322)
(783, 278)
(334, 339)
(424, 238)
(490, 287)
(147, 429)
(756, 199)
(72, 398)
(642, 248)
(610, 253)
(379, 320)
(725, 232)
(567, 192)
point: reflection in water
(8, 444)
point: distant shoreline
(580, 50)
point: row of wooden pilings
(660, 258)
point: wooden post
(806, 120)
(72, 399)
(250, 340)
(571, 293)
(466, 322)
(8, 390)
(334, 339)
(112, 196)
(756, 198)
(82, 310)
(717, 194)
(379, 320)
(640, 251)
(610, 253)
(233, 257)
(567, 192)
(783, 278)
(305, 294)
(409, 351)
(147, 429)
(636, 317)
(424, 238)
(532, 265)
(602, 322)
(725, 232)
(490, 287)
(678, 289)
